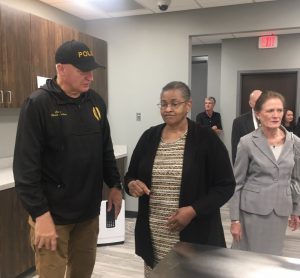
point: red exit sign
(268, 41)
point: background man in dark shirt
(209, 117)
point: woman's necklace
(172, 137)
(277, 139)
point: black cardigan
(207, 184)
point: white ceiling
(96, 9)
(217, 38)
(99, 9)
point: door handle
(2, 99)
(9, 93)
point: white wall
(198, 88)
(8, 127)
(213, 51)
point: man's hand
(137, 188)
(236, 231)
(115, 197)
(180, 219)
(45, 232)
(216, 130)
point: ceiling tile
(257, 1)
(130, 13)
(210, 39)
(218, 3)
(116, 5)
(81, 9)
(175, 5)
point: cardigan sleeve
(132, 172)
(219, 177)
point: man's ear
(60, 69)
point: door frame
(239, 85)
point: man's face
(209, 105)
(74, 79)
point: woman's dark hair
(178, 85)
(266, 96)
(293, 123)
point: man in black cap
(63, 153)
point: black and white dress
(164, 198)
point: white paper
(41, 80)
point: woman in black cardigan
(182, 175)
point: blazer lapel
(262, 144)
(288, 145)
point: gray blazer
(262, 183)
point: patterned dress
(164, 198)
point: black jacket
(207, 184)
(241, 126)
(63, 153)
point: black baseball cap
(77, 54)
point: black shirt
(215, 119)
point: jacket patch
(57, 113)
(97, 113)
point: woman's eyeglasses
(173, 105)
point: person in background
(262, 202)
(288, 120)
(182, 175)
(244, 124)
(209, 117)
(63, 153)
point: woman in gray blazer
(262, 202)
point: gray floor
(118, 261)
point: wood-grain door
(16, 254)
(46, 37)
(15, 56)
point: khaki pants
(75, 254)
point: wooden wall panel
(16, 255)
(15, 59)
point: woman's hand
(137, 188)
(181, 218)
(236, 230)
(294, 222)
